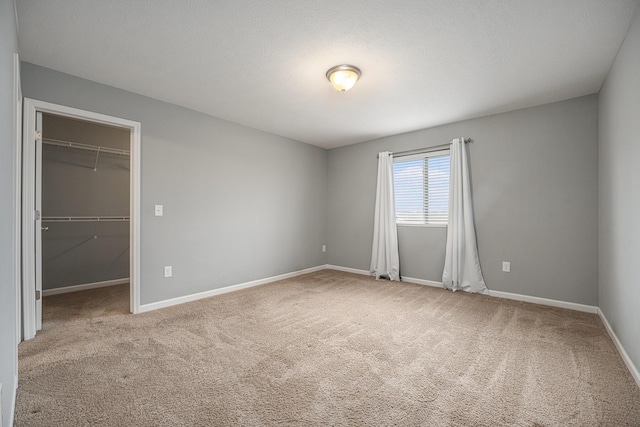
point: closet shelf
(84, 218)
(79, 146)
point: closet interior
(85, 218)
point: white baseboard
(194, 297)
(517, 297)
(422, 282)
(545, 301)
(623, 353)
(84, 287)
(367, 273)
(498, 294)
(347, 269)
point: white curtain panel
(461, 265)
(385, 261)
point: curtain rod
(424, 150)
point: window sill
(422, 225)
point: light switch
(506, 266)
(168, 271)
(159, 210)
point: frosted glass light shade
(343, 77)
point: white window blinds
(421, 187)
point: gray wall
(619, 129)
(239, 204)
(8, 273)
(70, 187)
(535, 181)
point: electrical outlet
(506, 266)
(324, 248)
(168, 271)
(159, 210)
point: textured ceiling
(262, 63)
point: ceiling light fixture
(343, 77)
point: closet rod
(424, 150)
(84, 218)
(69, 144)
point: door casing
(31, 321)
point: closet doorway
(85, 219)
(80, 246)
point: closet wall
(84, 251)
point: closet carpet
(63, 308)
(328, 348)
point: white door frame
(17, 93)
(28, 203)
(38, 219)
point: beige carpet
(63, 308)
(329, 348)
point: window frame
(435, 153)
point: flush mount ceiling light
(343, 77)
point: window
(421, 188)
